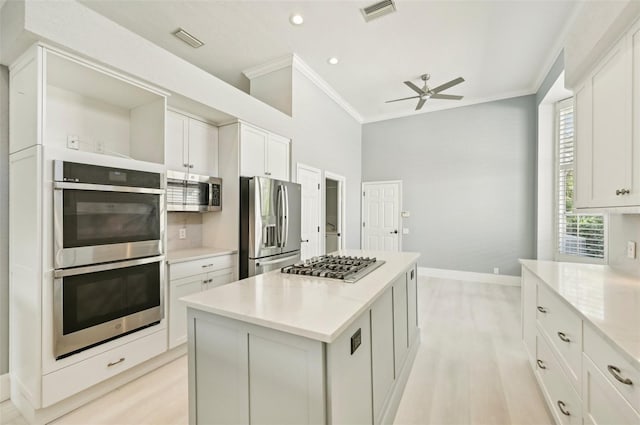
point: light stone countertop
(607, 299)
(181, 255)
(311, 307)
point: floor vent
(379, 9)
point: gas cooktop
(345, 268)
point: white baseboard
(498, 279)
(5, 387)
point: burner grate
(345, 268)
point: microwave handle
(210, 194)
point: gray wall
(4, 219)
(468, 181)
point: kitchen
(336, 142)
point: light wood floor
(470, 369)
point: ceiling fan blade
(414, 87)
(446, 96)
(420, 103)
(447, 85)
(404, 98)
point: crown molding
(268, 67)
(394, 115)
(313, 76)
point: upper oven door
(97, 224)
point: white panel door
(253, 144)
(278, 157)
(177, 136)
(203, 148)
(309, 179)
(380, 216)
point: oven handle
(106, 188)
(102, 267)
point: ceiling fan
(425, 92)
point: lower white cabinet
(400, 330)
(412, 304)
(383, 367)
(187, 278)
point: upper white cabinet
(192, 145)
(607, 138)
(65, 102)
(263, 153)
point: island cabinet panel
(286, 379)
(400, 340)
(349, 375)
(529, 304)
(219, 372)
(382, 363)
(412, 303)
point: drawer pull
(204, 266)
(563, 409)
(563, 337)
(115, 363)
(542, 309)
(616, 374)
(541, 364)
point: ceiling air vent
(188, 38)
(379, 9)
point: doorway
(381, 203)
(334, 185)
(309, 179)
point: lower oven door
(98, 303)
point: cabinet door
(611, 146)
(382, 365)
(176, 141)
(177, 310)
(583, 145)
(400, 336)
(219, 277)
(602, 403)
(412, 304)
(253, 143)
(278, 157)
(203, 148)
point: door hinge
(363, 193)
(318, 186)
(363, 224)
(318, 229)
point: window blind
(580, 235)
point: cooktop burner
(345, 268)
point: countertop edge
(215, 252)
(586, 319)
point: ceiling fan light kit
(425, 93)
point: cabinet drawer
(70, 380)
(602, 403)
(611, 363)
(203, 265)
(563, 327)
(561, 397)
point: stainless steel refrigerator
(270, 224)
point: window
(580, 236)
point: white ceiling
(501, 48)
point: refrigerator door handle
(279, 217)
(286, 216)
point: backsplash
(623, 228)
(192, 222)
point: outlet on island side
(496, 270)
(631, 250)
(183, 233)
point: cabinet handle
(622, 191)
(204, 266)
(541, 309)
(541, 364)
(190, 165)
(616, 374)
(185, 165)
(266, 173)
(563, 409)
(563, 337)
(115, 363)
(304, 240)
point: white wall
(4, 220)
(325, 136)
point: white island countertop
(311, 307)
(607, 299)
(181, 255)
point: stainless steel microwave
(193, 193)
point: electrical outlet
(183, 233)
(100, 146)
(73, 142)
(405, 214)
(496, 270)
(405, 230)
(631, 250)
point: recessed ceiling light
(188, 38)
(333, 61)
(296, 19)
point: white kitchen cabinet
(190, 277)
(192, 145)
(400, 322)
(412, 304)
(529, 304)
(263, 153)
(607, 139)
(382, 363)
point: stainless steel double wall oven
(108, 253)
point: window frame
(559, 256)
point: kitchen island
(290, 349)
